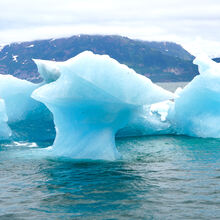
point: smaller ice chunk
(161, 108)
(16, 94)
(196, 111)
(149, 120)
(48, 70)
(178, 91)
(23, 112)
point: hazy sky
(193, 23)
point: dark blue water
(160, 177)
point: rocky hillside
(160, 61)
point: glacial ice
(196, 112)
(148, 120)
(93, 97)
(48, 70)
(16, 94)
(21, 110)
(193, 112)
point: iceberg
(91, 97)
(196, 112)
(193, 112)
(48, 70)
(23, 112)
(16, 95)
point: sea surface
(158, 177)
(172, 86)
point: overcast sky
(193, 23)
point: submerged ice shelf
(93, 98)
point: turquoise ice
(92, 99)
(23, 112)
(16, 95)
(196, 112)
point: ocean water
(158, 177)
(172, 86)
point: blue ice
(196, 112)
(93, 97)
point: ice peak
(48, 70)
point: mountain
(160, 61)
